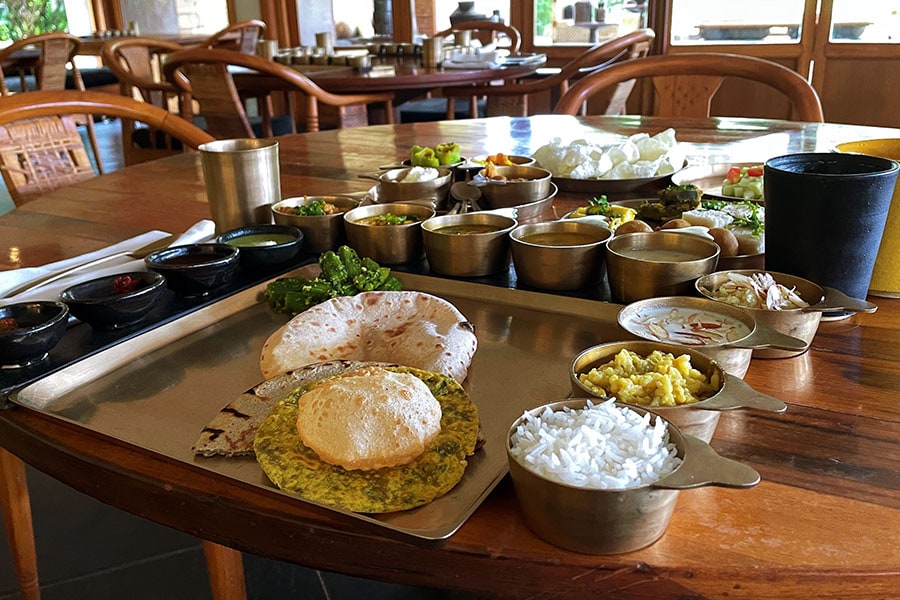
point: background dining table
(822, 523)
(405, 76)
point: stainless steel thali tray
(159, 389)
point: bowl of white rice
(414, 183)
(684, 385)
(602, 477)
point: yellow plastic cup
(886, 273)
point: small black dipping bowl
(36, 328)
(114, 301)
(264, 246)
(195, 269)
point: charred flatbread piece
(407, 328)
(295, 468)
(231, 431)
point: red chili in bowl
(126, 284)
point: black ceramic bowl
(264, 246)
(195, 269)
(116, 300)
(29, 330)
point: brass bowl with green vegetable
(343, 273)
(390, 234)
(320, 218)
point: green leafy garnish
(752, 222)
(314, 208)
(713, 204)
(344, 273)
(389, 219)
(597, 206)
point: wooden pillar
(404, 20)
(282, 21)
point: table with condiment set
(821, 522)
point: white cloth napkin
(486, 57)
(9, 280)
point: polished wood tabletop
(822, 523)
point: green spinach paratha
(295, 468)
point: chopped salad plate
(709, 178)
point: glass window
(21, 18)
(585, 22)
(354, 19)
(176, 16)
(872, 22)
(736, 21)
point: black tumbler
(825, 214)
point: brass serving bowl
(392, 186)
(521, 185)
(801, 323)
(468, 254)
(555, 267)
(320, 232)
(517, 160)
(642, 318)
(388, 244)
(658, 263)
(611, 521)
(698, 419)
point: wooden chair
(54, 57)
(137, 63)
(241, 36)
(686, 83)
(21, 171)
(511, 99)
(40, 149)
(488, 32)
(208, 76)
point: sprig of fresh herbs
(316, 208)
(752, 221)
(597, 206)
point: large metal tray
(159, 389)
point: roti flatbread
(231, 431)
(408, 328)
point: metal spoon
(463, 192)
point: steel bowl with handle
(611, 521)
(699, 418)
(800, 323)
(727, 334)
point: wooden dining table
(404, 75)
(822, 523)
